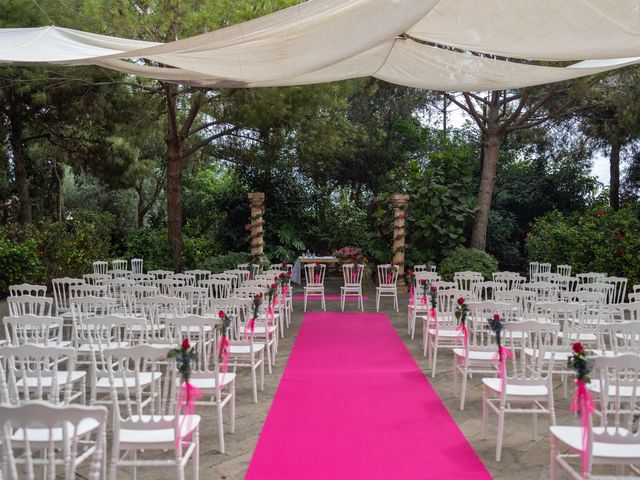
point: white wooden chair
(217, 287)
(524, 388)
(617, 440)
(130, 295)
(34, 329)
(465, 280)
(619, 289)
(218, 388)
(352, 277)
(100, 266)
(444, 333)
(148, 421)
(165, 284)
(199, 275)
(314, 277)
(96, 278)
(30, 305)
(511, 280)
(27, 289)
(564, 270)
(137, 265)
(195, 296)
(245, 352)
(120, 264)
(590, 277)
(61, 294)
(186, 278)
(387, 284)
(52, 440)
(41, 372)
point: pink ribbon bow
(224, 351)
(434, 316)
(187, 407)
(270, 316)
(249, 328)
(423, 299)
(582, 402)
(502, 354)
(389, 277)
(411, 299)
(317, 278)
(465, 334)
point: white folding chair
(30, 305)
(27, 289)
(352, 277)
(61, 294)
(100, 267)
(387, 284)
(136, 265)
(314, 276)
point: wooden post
(257, 210)
(399, 202)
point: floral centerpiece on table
(349, 255)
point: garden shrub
(598, 240)
(468, 259)
(19, 263)
(224, 262)
(152, 245)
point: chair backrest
(196, 296)
(243, 275)
(590, 277)
(447, 303)
(623, 337)
(127, 369)
(619, 289)
(96, 278)
(248, 292)
(199, 275)
(425, 268)
(388, 275)
(87, 290)
(156, 309)
(564, 283)
(129, 296)
(201, 333)
(545, 291)
(27, 289)
(486, 290)
(511, 280)
(22, 456)
(119, 264)
(115, 285)
(314, 273)
(61, 293)
(564, 270)
(619, 388)
(234, 278)
(99, 333)
(629, 311)
(100, 267)
(479, 313)
(33, 329)
(533, 336)
(90, 306)
(160, 273)
(164, 284)
(146, 279)
(36, 372)
(442, 285)
(137, 265)
(217, 287)
(185, 277)
(252, 268)
(465, 280)
(352, 273)
(534, 267)
(430, 277)
(30, 304)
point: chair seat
(572, 436)
(579, 336)
(148, 436)
(41, 435)
(446, 333)
(559, 357)
(195, 329)
(207, 383)
(145, 379)
(62, 377)
(495, 384)
(625, 391)
(245, 349)
(259, 330)
(478, 355)
(89, 347)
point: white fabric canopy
(328, 40)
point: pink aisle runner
(353, 404)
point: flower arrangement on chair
(582, 402)
(184, 355)
(410, 280)
(255, 308)
(497, 325)
(224, 349)
(461, 312)
(272, 295)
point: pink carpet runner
(353, 404)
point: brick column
(399, 202)
(257, 210)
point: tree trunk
(141, 208)
(485, 192)
(614, 177)
(174, 178)
(19, 160)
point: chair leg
(395, 301)
(377, 300)
(342, 298)
(305, 300)
(324, 305)
(262, 372)
(232, 407)
(553, 473)
(463, 391)
(485, 411)
(220, 428)
(196, 453)
(434, 360)
(500, 433)
(254, 383)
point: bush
(598, 240)
(152, 245)
(221, 263)
(19, 263)
(468, 259)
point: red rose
(460, 301)
(423, 282)
(578, 347)
(618, 236)
(258, 295)
(601, 213)
(433, 288)
(273, 286)
(185, 344)
(282, 275)
(275, 278)
(410, 273)
(496, 316)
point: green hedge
(468, 259)
(598, 240)
(19, 263)
(221, 263)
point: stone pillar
(399, 202)
(257, 210)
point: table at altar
(296, 274)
